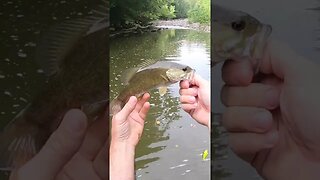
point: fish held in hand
(73, 55)
(150, 75)
(236, 35)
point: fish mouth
(190, 75)
(259, 43)
(264, 33)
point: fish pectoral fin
(17, 146)
(163, 90)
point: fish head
(178, 74)
(237, 34)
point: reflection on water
(292, 23)
(172, 142)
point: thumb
(281, 60)
(199, 81)
(59, 149)
(126, 110)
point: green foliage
(126, 12)
(181, 8)
(200, 11)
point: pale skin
(74, 151)
(127, 128)
(195, 99)
(273, 120)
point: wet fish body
(157, 75)
(73, 54)
(237, 34)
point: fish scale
(147, 76)
(237, 35)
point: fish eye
(185, 69)
(238, 25)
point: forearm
(121, 161)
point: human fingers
(190, 91)
(142, 101)
(95, 138)
(59, 149)
(238, 73)
(258, 95)
(247, 119)
(184, 84)
(244, 144)
(281, 60)
(122, 116)
(199, 81)
(186, 99)
(101, 162)
(189, 107)
(144, 110)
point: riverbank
(181, 23)
(159, 25)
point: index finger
(141, 102)
(184, 84)
(237, 73)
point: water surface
(172, 149)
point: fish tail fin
(17, 144)
(115, 106)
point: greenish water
(171, 149)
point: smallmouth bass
(146, 77)
(237, 34)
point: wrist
(121, 161)
(117, 146)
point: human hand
(273, 121)
(73, 151)
(127, 127)
(195, 99)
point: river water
(173, 148)
(294, 23)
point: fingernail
(133, 99)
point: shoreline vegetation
(129, 17)
(159, 25)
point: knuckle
(272, 97)
(262, 120)
(224, 95)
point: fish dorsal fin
(59, 40)
(101, 17)
(57, 43)
(146, 63)
(129, 73)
